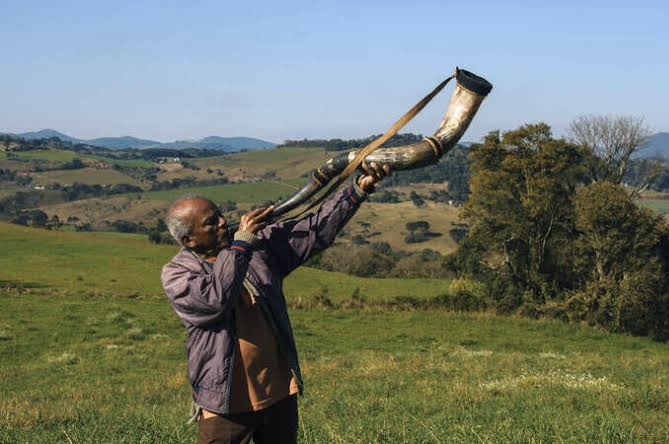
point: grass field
(90, 176)
(50, 154)
(130, 163)
(388, 224)
(93, 369)
(660, 206)
(91, 352)
(112, 264)
(286, 162)
(249, 192)
(111, 208)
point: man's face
(209, 232)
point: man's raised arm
(293, 242)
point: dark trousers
(274, 424)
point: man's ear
(187, 242)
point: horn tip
(472, 82)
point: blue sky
(292, 69)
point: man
(242, 359)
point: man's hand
(254, 220)
(373, 174)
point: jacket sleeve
(293, 242)
(200, 298)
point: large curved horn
(467, 96)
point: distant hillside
(221, 143)
(656, 146)
(227, 144)
(123, 142)
(47, 134)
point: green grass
(250, 192)
(285, 162)
(65, 156)
(50, 154)
(93, 370)
(130, 163)
(90, 176)
(91, 352)
(110, 264)
(660, 206)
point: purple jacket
(203, 295)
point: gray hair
(179, 220)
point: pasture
(91, 352)
(658, 205)
(387, 222)
(47, 154)
(102, 264)
(89, 176)
(256, 192)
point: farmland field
(89, 176)
(255, 192)
(91, 352)
(50, 154)
(388, 224)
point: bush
(640, 308)
(466, 295)
(385, 196)
(417, 199)
(161, 237)
(360, 261)
(633, 305)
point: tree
(520, 205)
(417, 199)
(621, 252)
(611, 140)
(615, 235)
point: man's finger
(365, 167)
(377, 172)
(266, 212)
(255, 212)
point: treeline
(352, 144)
(553, 232)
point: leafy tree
(520, 204)
(616, 236)
(622, 257)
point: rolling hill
(657, 145)
(227, 144)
